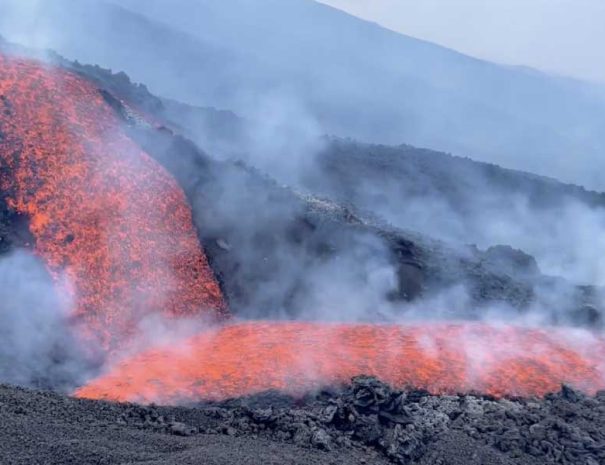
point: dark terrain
(365, 423)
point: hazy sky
(564, 36)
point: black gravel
(45, 428)
(367, 422)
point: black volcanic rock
(512, 261)
(365, 422)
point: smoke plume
(36, 346)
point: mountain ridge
(343, 76)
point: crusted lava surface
(365, 422)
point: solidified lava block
(249, 358)
(113, 227)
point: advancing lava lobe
(248, 358)
(103, 213)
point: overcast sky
(563, 36)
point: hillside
(121, 240)
(467, 202)
(454, 199)
(348, 77)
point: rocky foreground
(366, 422)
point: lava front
(248, 358)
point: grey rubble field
(364, 423)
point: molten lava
(103, 213)
(248, 358)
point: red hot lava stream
(103, 213)
(117, 226)
(248, 358)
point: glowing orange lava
(247, 358)
(103, 213)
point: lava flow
(103, 213)
(248, 358)
(109, 219)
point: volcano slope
(251, 233)
(370, 432)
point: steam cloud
(36, 346)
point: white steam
(36, 346)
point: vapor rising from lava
(103, 213)
(244, 359)
(112, 222)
